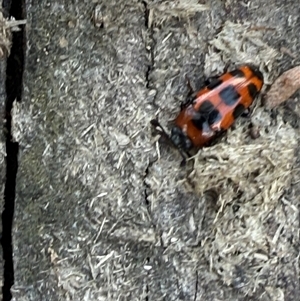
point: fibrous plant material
(240, 44)
(6, 28)
(250, 177)
(161, 11)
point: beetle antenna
(155, 123)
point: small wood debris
(98, 17)
(7, 26)
(283, 88)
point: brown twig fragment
(283, 88)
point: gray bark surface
(98, 216)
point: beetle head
(180, 139)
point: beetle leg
(191, 94)
(189, 100)
(219, 135)
(156, 124)
(191, 86)
(211, 80)
(247, 113)
(226, 67)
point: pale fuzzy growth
(250, 175)
(161, 11)
(283, 87)
(5, 33)
(179, 7)
(18, 122)
(6, 28)
(240, 43)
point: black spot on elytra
(238, 111)
(229, 95)
(212, 114)
(207, 115)
(199, 122)
(214, 117)
(252, 90)
(237, 73)
(213, 83)
(206, 107)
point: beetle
(214, 108)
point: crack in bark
(196, 287)
(149, 45)
(14, 78)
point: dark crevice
(149, 47)
(149, 44)
(147, 76)
(147, 191)
(146, 13)
(147, 285)
(14, 76)
(148, 205)
(196, 286)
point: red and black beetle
(215, 107)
